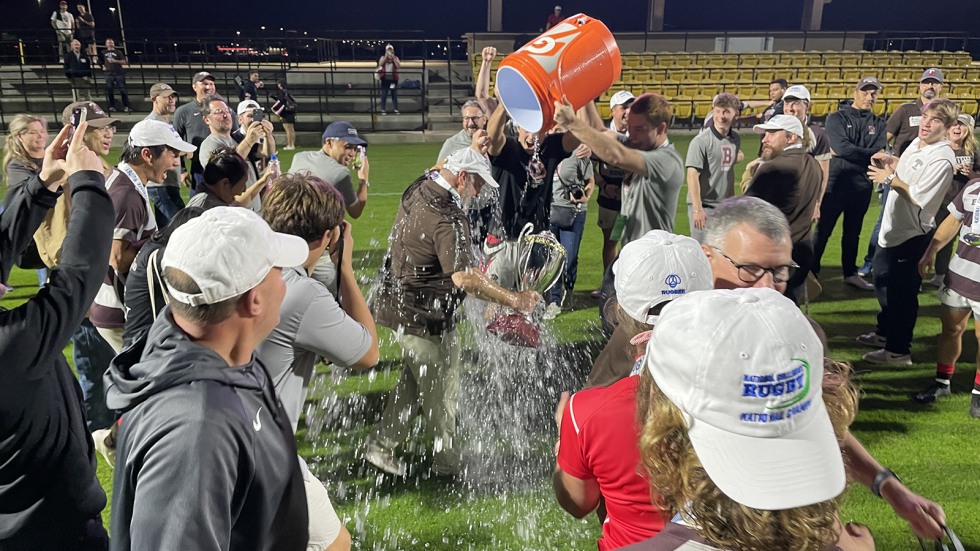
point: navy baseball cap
(344, 131)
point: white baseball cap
(796, 91)
(658, 267)
(227, 251)
(247, 105)
(150, 133)
(788, 123)
(472, 162)
(746, 368)
(621, 97)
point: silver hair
(760, 215)
(472, 103)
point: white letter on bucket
(577, 58)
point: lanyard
(137, 183)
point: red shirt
(554, 20)
(599, 440)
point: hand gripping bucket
(577, 58)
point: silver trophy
(540, 265)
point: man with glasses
(218, 116)
(332, 163)
(153, 148)
(474, 119)
(164, 195)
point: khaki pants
(429, 386)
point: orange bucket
(577, 58)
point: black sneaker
(975, 406)
(933, 393)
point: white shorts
(324, 524)
(951, 299)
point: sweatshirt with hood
(50, 497)
(205, 456)
(855, 135)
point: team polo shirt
(134, 224)
(325, 167)
(312, 325)
(650, 202)
(964, 268)
(714, 157)
(819, 143)
(599, 441)
(904, 124)
(929, 172)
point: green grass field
(934, 449)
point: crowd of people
(197, 328)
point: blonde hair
(679, 483)
(14, 149)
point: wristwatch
(888, 179)
(880, 478)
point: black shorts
(288, 117)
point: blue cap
(344, 131)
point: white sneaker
(384, 460)
(289, 147)
(884, 357)
(384, 112)
(858, 282)
(551, 312)
(101, 438)
(397, 112)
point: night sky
(441, 18)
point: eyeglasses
(105, 129)
(474, 119)
(750, 273)
(220, 112)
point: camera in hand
(577, 192)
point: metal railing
(39, 47)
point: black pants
(803, 256)
(897, 284)
(853, 206)
(112, 82)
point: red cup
(577, 58)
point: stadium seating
(691, 79)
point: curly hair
(679, 483)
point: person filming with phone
(388, 66)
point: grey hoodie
(205, 457)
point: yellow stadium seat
(822, 107)
(682, 108)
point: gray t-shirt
(460, 140)
(571, 172)
(714, 156)
(173, 176)
(324, 166)
(311, 325)
(650, 202)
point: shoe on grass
(858, 282)
(105, 444)
(551, 312)
(872, 339)
(884, 357)
(933, 393)
(384, 460)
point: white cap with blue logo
(745, 368)
(658, 267)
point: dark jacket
(429, 243)
(78, 66)
(855, 135)
(48, 487)
(205, 456)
